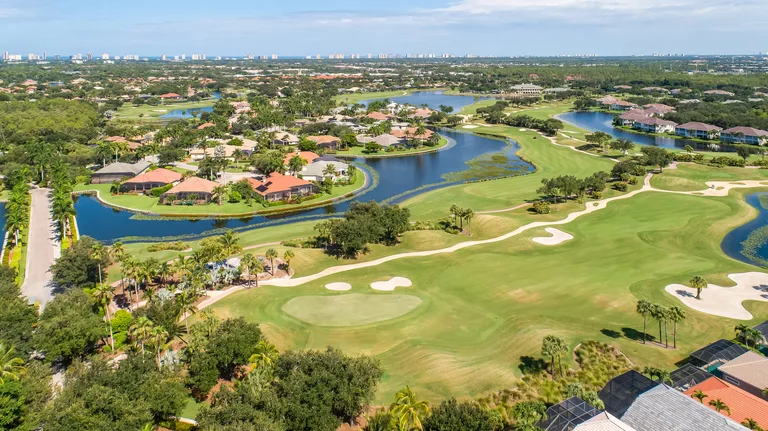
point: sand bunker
(392, 284)
(725, 301)
(469, 126)
(338, 286)
(557, 237)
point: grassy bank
(152, 113)
(349, 99)
(360, 151)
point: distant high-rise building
(249, 57)
(183, 56)
(56, 57)
(162, 57)
(176, 57)
(104, 56)
(89, 56)
(274, 56)
(45, 56)
(5, 56)
(370, 55)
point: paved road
(42, 251)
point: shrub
(625, 177)
(621, 186)
(291, 243)
(121, 321)
(683, 157)
(727, 161)
(234, 197)
(83, 179)
(639, 171)
(173, 246)
(541, 207)
(157, 191)
(597, 195)
(632, 181)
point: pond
(179, 114)
(603, 122)
(398, 179)
(749, 242)
(432, 99)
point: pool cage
(621, 391)
(688, 376)
(712, 356)
(566, 415)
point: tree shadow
(531, 365)
(634, 334)
(611, 333)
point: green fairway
(152, 113)
(349, 99)
(692, 177)
(354, 309)
(485, 307)
(360, 151)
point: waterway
(433, 99)
(398, 179)
(603, 122)
(732, 243)
(179, 114)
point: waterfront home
(698, 130)
(170, 96)
(410, 133)
(197, 154)
(719, 93)
(528, 90)
(149, 180)
(193, 189)
(748, 371)
(118, 172)
(658, 109)
(385, 140)
(317, 171)
(308, 156)
(286, 139)
(378, 116)
(741, 405)
(422, 113)
(744, 135)
(654, 125)
(628, 118)
(603, 422)
(622, 105)
(277, 187)
(326, 141)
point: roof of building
(378, 116)
(526, 87)
(666, 409)
(604, 422)
(318, 167)
(115, 139)
(747, 131)
(205, 126)
(621, 391)
(567, 414)
(743, 405)
(622, 103)
(323, 139)
(763, 328)
(160, 175)
(659, 108)
(309, 156)
(194, 185)
(750, 367)
(169, 95)
(410, 132)
(124, 168)
(720, 350)
(635, 114)
(695, 125)
(720, 92)
(275, 183)
(687, 376)
(384, 140)
(654, 121)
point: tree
(751, 424)
(657, 156)
(743, 152)
(11, 366)
(251, 265)
(287, 256)
(699, 395)
(719, 406)
(623, 145)
(408, 411)
(271, 254)
(141, 332)
(676, 315)
(554, 347)
(528, 413)
(187, 307)
(220, 191)
(659, 313)
(103, 294)
(266, 355)
(230, 243)
(296, 164)
(453, 416)
(79, 266)
(644, 308)
(68, 327)
(698, 283)
(599, 138)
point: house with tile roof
(658, 109)
(741, 405)
(194, 189)
(378, 116)
(317, 171)
(744, 135)
(719, 93)
(278, 187)
(698, 130)
(628, 118)
(654, 125)
(385, 140)
(118, 172)
(149, 180)
(603, 422)
(326, 141)
(170, 96)
(749, 372)
(308, 156)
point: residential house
(622, 105)
(229, 151)
(378, 116)
(741, 405)
(622, 87)
(716, 354)
(118, 172)
(241, 107)
(749, 372)
(308, 156)
(744, 135)
(170, 96)
(410, 133)
(192, 189)
(655, 90)
(698, 130)
(628, 118)
(286, 139)
(317, 171)
(654, 125)
(385, 140)
(149, 180)
(326, 141)
(603, 422)
(422, 113)
(688, 376)
(568, 414)
(621, 391)
(658, 109)
(277, 187)
(719, 93)
(528, 90)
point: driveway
(42, 251)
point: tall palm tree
(11, 366)
(698, 283)
(271, 255)
(103, 294)
(659, 312)
(554, 347)
(266, 355)
(676, 315)
(330, 170)
(699, 395)
(644, 308)
(164, 271)
(408, 410)
(230, 243)
(140, 331)
(187, 308)
(719, 406)
(468, 214)
(157, 337)
(296, 164)
(287, 256)
(97, 254)
(220, 191)
(117, 252)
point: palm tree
(219, 191)
(553, 347)
(11, 366)
(741, 332)
(271, 255)
(296, 164)
(140, 331)
(157, 337)
(330, 170)
(103, 294)
(699, 395)
(659, 313)
(187, 308)
(676, 314)
(408, 410)
(117, 252)
(468, 214)
(265, 356)
(255, 267)
(644, 308)
(698, 283)
(229, 243)
(751, 424)
(287, 256)
(97, 253)
(719, 405)
(528, 413)
(246, 261)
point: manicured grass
(151, 204)
(191, 409)
(485, 307)
(472, 109)
(692, 177)
(360, 151)
(354, 309)
(151, 113)
(359, 97)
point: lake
(731, 244)
(179, 114)
(399, 179)
(603, 122)
(433, 99)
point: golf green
(353, 309)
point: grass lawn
(151, 204)
(472, 109)
(191, 409)
(483, 308)
(359, 97)
(692, 177)
(359, 151)
(152, 113)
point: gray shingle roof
(665, 409)
(124, 168)
(750, 368)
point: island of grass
(359, 97)
(394, 152)
(152, 206)
(153, 113)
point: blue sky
(293, 27)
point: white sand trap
(338, 286)
(391, 284)
(557, 237)
(725, 301)
(469, 126)
(522, 130)
(721, 188)
(160, 110)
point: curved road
(42, 250)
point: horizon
(549, 28)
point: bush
(173, 246)
(621, 186)
(541, 207)
(234, 197)
(157, 191)
(597, 195)
(625, 177)
(83, 179)
(727, 161)
(121, 321)
(632, 181)
(639, 171)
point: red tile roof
(323, 139)
(276, 183)
(169, 96)
(194, 185)
(693, 125)
(116, 139)
(165, 176)
(309, 156)
(747, 131)
(378, 116)
(205, 126)
(742, 404)
(410, 132)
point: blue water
(602, 121)
(179, 114)
(433, 99)
(731, 244)
(399, 178)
